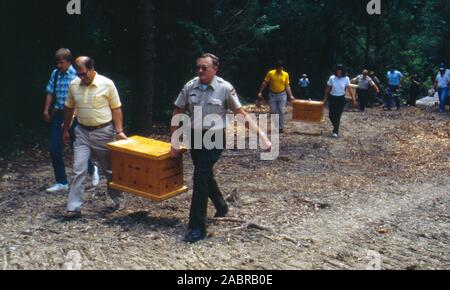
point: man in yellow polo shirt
(280, 89)
(97, 104)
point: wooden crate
(146, 168)
(307, 111)
(350, 93)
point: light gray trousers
(278, 106)
(87, 143)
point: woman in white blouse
(335, 95)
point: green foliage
(311, 36)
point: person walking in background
(364, 84)
(414, 90)
(394, 78)
(280, 88)
(303, 86)
(57, 90)
(447, 72)
(375, 98)
(442, 84)
(337, 86)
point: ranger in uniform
(209, 94)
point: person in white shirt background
(442, 85)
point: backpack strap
(55, 82)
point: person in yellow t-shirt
(279, 85)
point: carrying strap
(55, 81)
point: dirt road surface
(376, 198)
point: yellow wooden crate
(307, 111)
(146, 168)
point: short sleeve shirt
(93, 102)
(442, 81)
(394, 78)
(215, 101)
(277, 81)
(62, 86)
(338, 85)
(364, 83)
(304, 83)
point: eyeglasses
(202, 67)
(82, 74)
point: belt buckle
(92, 128)
(101, 126)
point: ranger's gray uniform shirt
(364, 83)
(218, 98)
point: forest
(148, 47)
(373, 196)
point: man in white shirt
(364, 84)
(442, 85)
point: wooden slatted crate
(350, 93)
(146, 168)
(307, 111)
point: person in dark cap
(337, 86)
(303, 86)
(442, 85)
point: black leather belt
(92, 128)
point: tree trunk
(144, 104)
(367, 60)
(378, 44)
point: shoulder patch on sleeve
(191, 82)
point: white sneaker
(58, 187)
(334, 135)
(95, 177)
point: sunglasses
(202, 67)
(82, 74)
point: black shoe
(194, 235)
(221, 213)
(72, 215)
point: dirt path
(376, 198)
